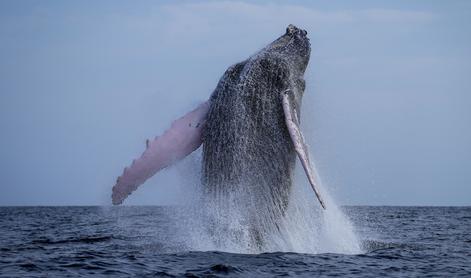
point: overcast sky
(84, 83)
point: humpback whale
(249, 130)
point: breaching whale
(249, 129)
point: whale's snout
(293, 30)
(297, 44)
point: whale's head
(294, 46)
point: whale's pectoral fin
(292, 122)
(183, 137)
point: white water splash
(310, 229)
(305, 228)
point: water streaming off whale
(305, 227)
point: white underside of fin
(292, 122)
(183, 137)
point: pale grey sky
(84, 83)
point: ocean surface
(142, 241)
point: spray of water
(255, 215)
(207, 225)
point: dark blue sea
(139, 241)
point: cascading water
(251, 201)
(206, 225)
